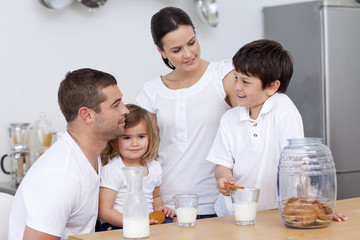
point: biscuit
(291, 205)
(159, 216)
(304, 212)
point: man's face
(110, 121)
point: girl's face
(250, 93)
(134, 143)
(182, 48)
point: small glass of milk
(244, 204)
(186, 209)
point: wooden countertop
(268, 226)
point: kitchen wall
(38, 46)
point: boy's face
(250, 93)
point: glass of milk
(186, 209)
(244, 204)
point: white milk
(245, 211)
(136, 227)
(186, 215)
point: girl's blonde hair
(135, 116)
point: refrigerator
(323, 38)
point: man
(59, 195)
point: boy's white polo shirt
(251, 148)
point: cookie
(159, 216)
(306, 214)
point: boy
(251, 137)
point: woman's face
(182, 48)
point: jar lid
(19, 148)
(19, 125)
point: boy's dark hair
(267, 60)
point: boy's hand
(221, 185)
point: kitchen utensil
(208, 11)
(19, 151)
(92, 4)
(56, 4)
(20, 133)
(20, 162)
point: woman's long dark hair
(166, 20)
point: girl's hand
(153, 221)
(169, 213)
(339, 217)
(221, 185)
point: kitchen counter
(8, 187)
(268, 226)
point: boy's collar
(268, 105)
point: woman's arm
(106, 207)
(229, 88)
(154, 122)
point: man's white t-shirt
(251, 148)
(112, 177)
(58, 195)
(188, 119)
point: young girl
(137, 147)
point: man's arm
(32, 234)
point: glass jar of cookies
(306, 184)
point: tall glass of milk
(186, 209)
(245, 204)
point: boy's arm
(223, 175)
(106, 207)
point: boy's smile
(251, 94)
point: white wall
(38, 46)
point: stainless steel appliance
(20, 152)
(324, 40)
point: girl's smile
(133, 144)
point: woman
(187, 104)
